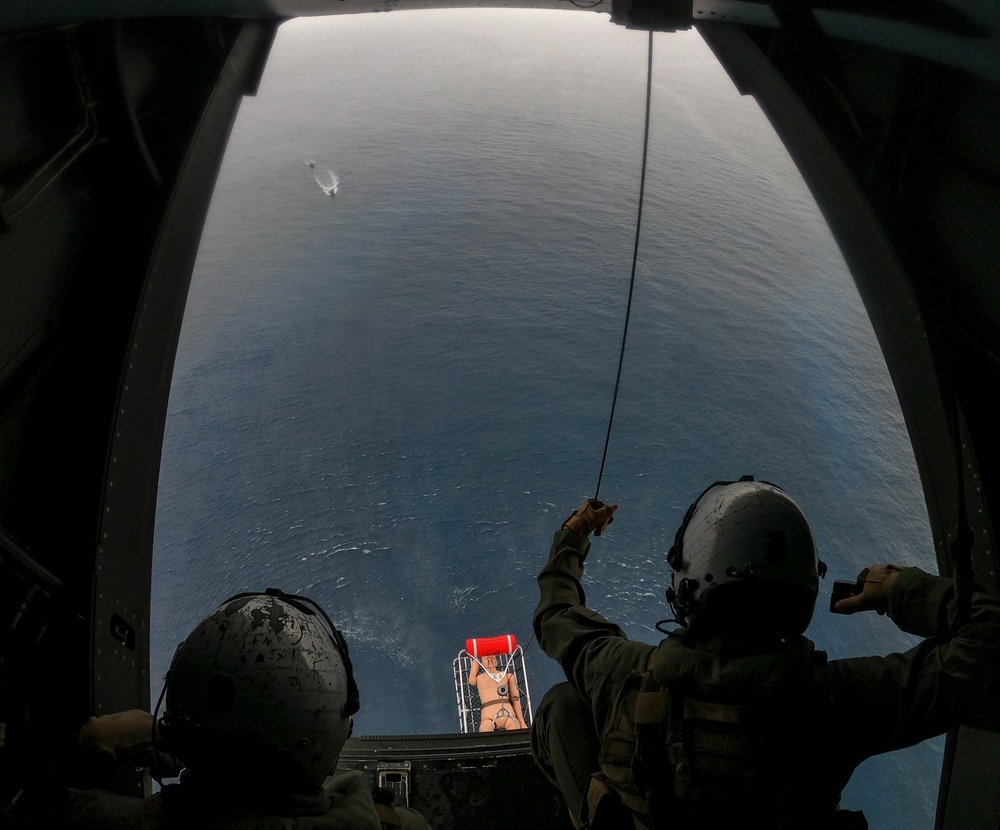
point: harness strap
(603, 806)
(483, 703)
(387, 816)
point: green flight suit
(345, 803)
(865, 705)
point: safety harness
(503, 690)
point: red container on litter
(481, 646)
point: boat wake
(328, 182)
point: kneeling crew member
(735, 720)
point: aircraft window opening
(397, 353)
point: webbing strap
(387, 815)
(484, 703)
(716, 712)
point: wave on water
(327, 181)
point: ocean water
(389, 399)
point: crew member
(735, 720)
(259, 704)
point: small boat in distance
(328, 182)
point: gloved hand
(876, 585)
(128, 738)
(592, 516)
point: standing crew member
(735, 720)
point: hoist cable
(635, 258)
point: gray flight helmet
(745, 563)
(261, 692)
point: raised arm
(946, 680)
(594, 653)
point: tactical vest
(697, 742)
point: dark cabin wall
(104, 148)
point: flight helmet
(261, 692)
(745, 563)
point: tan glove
(592, 516)
(876, 586)
(128, 738)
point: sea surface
(388, 399)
